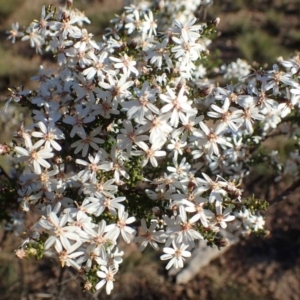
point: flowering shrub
(130, 132)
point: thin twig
(59, 283)
(286, 193)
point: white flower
(36, 40)
(211, 138)
(176, 255)
(293, 64)
(250, 112)
(158, 127)
(227, 116)
(48, 135)
(114, 230)
(126, 63)
(151, 153)
(95, 165)
(143, 104)
(59, 232)
(86, 141)
(257, 222)
(14, 32)
(149, 25)
(68, 29)
(99, 205)
(67, 257)
(108, 277)
(100, 188)
(200, 213)
(215, 187)
(116, 89)
(35, 157)
(150, 236)
(222, 218)
(176, 147)
(79, 119)
(186, 235)
(189, 31)
(99, 67)
(96, 234)
(129, 135)
(181, 170)
(178, 105)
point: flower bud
(216, 21)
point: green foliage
(259, 46)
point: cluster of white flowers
(123, 134)
(236, 69)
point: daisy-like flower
(276, 77)
(222, 218)
(100, 189)
(105, 107)
(96, 234)
(28, 199)
(130, 136)
(257, 222)
(90, 140)
(35, 157)
(80, 118)
(159, 54)
(86, 42)
(36, 41)
(189, 31)
(149, 25)
(151, 153)
(62, 48)
(150, 236)
(43, 26)
(189, 123)
(187, 234)
(158, 127)
(98, 67)
(177, 105)
(143, 104)
(68, 29)
(14, 32)
(107, 275)
(114, 230)
(176, 147)
(133, 21)
(99, 205)
(126, 63)
(200, 213)
(69, 257)
(292, 100)
(59, 233)
(248, 115)
(48, 135)
(187, 51)
(116, 88)
(226, 116)
(212, 138)
(216, 188)
(177, 255)
(292, 64)
(93, 166)
(181, 170)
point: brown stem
(287, 192)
